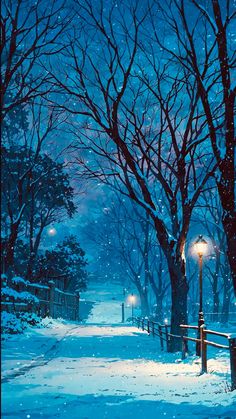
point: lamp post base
(201, 321)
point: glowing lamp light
(52, 231)
(132, 298)
(200, 245)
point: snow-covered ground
(108, 371)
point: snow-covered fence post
(51, 297)
(148, 327)
(161, 337)
(77, 306)
(142, 323)
(232, 351)
(203, 349)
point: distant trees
(66, 263)
(140, 254)
(36, 190)
(127, 252)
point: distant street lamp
(132, 300)
(200, 248)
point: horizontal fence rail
(162, 331)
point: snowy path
(102, 371)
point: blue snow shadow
(89, 406)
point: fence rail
(51, 301)
(160, 330)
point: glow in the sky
(52, 231)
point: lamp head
(200, 245)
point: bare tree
(30, 32)
(205, 47)
(142, 122)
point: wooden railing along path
(162, 331)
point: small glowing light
(52, 231)
(166, 321)
(200, 245)
(132, 298)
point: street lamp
(200, 247)
(132, 300)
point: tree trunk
(179, 292)
(229, 224)
(10, 248)
(144, 303)
(31, 238)
(159, 308)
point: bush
(11, 324)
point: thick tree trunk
(229, 224)
(174, 253)
(144, 302)
(179, 293)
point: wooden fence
(51, 302)
(162, 331)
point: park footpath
(94, 370)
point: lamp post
(200, 246)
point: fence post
(161, 337)
(142, 324)
(138, 319)
(122, 313)
(232, 351)
(77, 305)
(203, 349)
(148, 327)
(51, 297)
